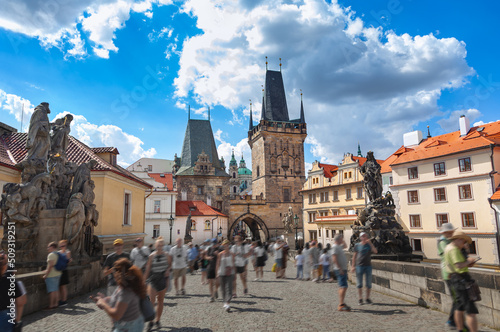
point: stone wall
(83, 279)
(422, 284)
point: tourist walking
(179, 266)
(123, 306)
(362, 264)
(446, 231)
(314, 254)
(306, 252)
(64, 281)
(203, 267)
(225, 272)
(140, 254)
(324, 260)
(299, 264)
(52, 276)
(241, 253)
(260, 261)
(158, 269)
(284, 259)
(278, 257)
(10, 295)
(193, 254)
(213, 281)
(340, 266)
(457, 266)
(110, 261)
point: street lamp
(220, 232)
(171, 224)
(296, 219)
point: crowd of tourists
(142, 278)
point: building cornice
(459, 178)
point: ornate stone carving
(82, 174)
(288, 221)
(59, 139)
(73, 228)
(38, 143)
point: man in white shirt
(241, 253)
(179, 265)
(140, 254)
(278, 256)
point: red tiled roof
(13, 146)
(496, 195)
(197, 208)
(328, 170)
(386, 164)
(450, 143)
(106, 149)
(167, 179)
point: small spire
(280, 65)
(208, 113)
(302, 116)
(189, 112)
(359, 150)
(266, 63)
(428, 132)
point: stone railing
(83, 279)
(422, 284)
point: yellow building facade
(332, 196)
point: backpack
(62, 262)
(265, 255)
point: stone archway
(253, 225)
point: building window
(348, 194)
(156, 231)
(439, 169)
(150, 168)
(157, 207)
(441, 218)
(234, 175)
(413, 173)
(219, 205)
(234, 190)
(313, 235)
(335, 195)
(286, 194)
(323, 213)
(219, 190)
(465, 191)
(207, 224)
(439, 195)
(390, 180)
(335, 212)
(326, 234)
(126, 208)
(321, 197)
(326, 196)
(319, 232)
(312, 216)
(473, 248)
(416, 244)
(464, 164)
(415, 221)
(468, 219)
(412, 196)
(200, 190)
(193, 225)
(258, 171)
(360, 192)
(341, 232)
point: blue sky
(369, 70)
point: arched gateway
(249, 224)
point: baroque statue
(189, 224)
(59, 138)
(288, 221)
(82, 174)
(372, 179)
(38, 143)
(74, 222)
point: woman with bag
(225, 272)
(123, 306)
(157, 272)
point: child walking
(299, 264)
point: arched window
(234, 190)
(234, 175)
(207, 224)
(258, 171)
(193, 225)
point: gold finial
(280, 64)
(266, 62)
(250, 103)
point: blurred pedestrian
(179, 266)
(110, 261)
(241, 253)
(362, 264)
(12, 301)
(225, 272)
(64, 281)
(340, 266)
(140, 254)
(299, 264)
(52, 276)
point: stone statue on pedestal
(73, 228)
(288, 221)
(59, 139)
(372, 179)
(82, 174)
(38, 143)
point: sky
(369, 71)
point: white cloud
(360, 83)
(225, 149)
(451, 123)
(15, 105)
(54, 23)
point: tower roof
(198, 138)
(274, 107)
(233, 160)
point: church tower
(277, 145)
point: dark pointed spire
(359, 151)
(263, 112)
(189, 112)
(208, 113)
(302, 116)
(280, 65)
(250, 125)
(428, 132)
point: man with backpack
(52, 276)
(140, 254)
(110, 261)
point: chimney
(413, 138)
(464, 125)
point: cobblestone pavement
(271, 305)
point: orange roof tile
(106, 149)
(450, 143)
(328, 170)
(386, 164)
(164, 178)
(197, 208)
(496, 195)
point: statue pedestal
(51, 226)
(187, 239)
(290, 240)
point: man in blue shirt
(362, 264)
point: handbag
(147, 309)
(473, 290)
(273, 269)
